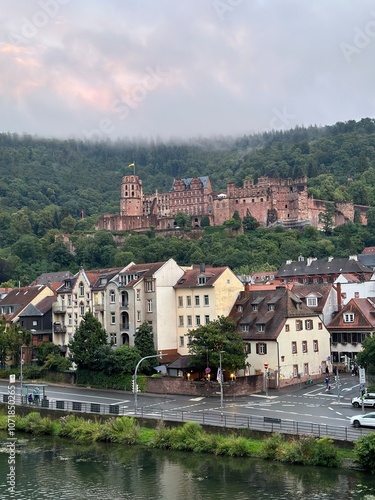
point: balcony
(124, 305)
(58, 309)
(58, 328)
(124, 326)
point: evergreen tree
(89, 343)
(144, 342)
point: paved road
(298, 403)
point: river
(50, 468)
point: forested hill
(77, 175)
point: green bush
(273, 447)
(326, 453)
(364, 450)
(124, 430)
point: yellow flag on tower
(131, 165)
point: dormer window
(312, 301)
(255, 307)
(349, 318)
(103, 281)
(239, 308)
(244, 328)
(261, 327)
(271, 307)
(201, 280)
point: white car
(365, 420)
(368, 400)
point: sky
(112, 69)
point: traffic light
(133, 386)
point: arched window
(124, 299)
(112, 296)
(124, 321)
(81, 290)
(81, 308)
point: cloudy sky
(168, 68)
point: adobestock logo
(362, 38)
(39, 20)
(123, 106)
(223, 7)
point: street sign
(266, 366)
(362, 376)
(208, 369)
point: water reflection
(49, 468)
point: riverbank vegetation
(192, 437)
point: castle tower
(131, 202)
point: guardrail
(203, 417)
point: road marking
(197, 399)
(120, 402)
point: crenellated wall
(271, 201)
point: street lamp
(220, 377)
(21, 372)
(160, 355)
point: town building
(270, 201)
(17, 299)
(78, 295)
(282, 336)
(312, 270)
(144, 293)
(203, 294)
(348, 329)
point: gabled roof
(319, 290)
(285, 305)
(364, 315)
(190, 277)
(142, 271)
(19, 298)
(53, 280)
(204, 180)
(321, 267)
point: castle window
(261, 199)
(252, 200)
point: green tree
(366, 357)
(88, 342)
(183, 220)
(127, 358)
(205, 221)
(144, 342)
(250, 223)
(235, 222)
(326, 218)
(42, 351)
(207, 341)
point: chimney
(339, 298)
(202, 267)
(247, 289)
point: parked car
(366, 420)
(368, 400)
